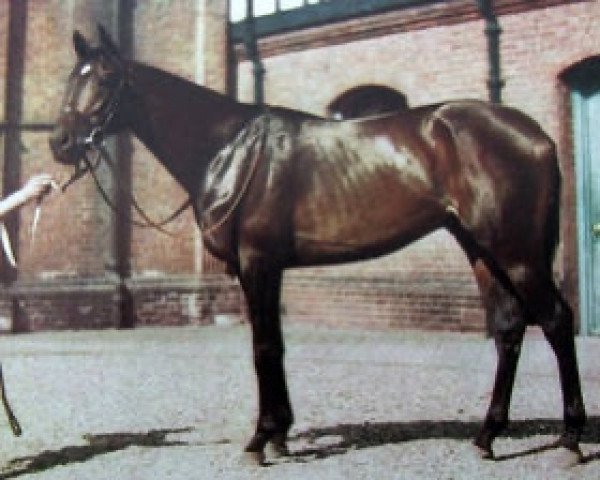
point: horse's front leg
(262, 287)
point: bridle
(94, 152)
(97, 133)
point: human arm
(36, 187)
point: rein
(94, 143)
(92, 165)
(102, 154)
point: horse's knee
(508, 335)
(504, 313)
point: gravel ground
(179, 403)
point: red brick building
(88, 269)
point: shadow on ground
(97, 445)
(336, 440)
(320, 445)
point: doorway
(584, 81)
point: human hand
(37, 187)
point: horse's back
(354, 189)
(361, 187)
(507, 130)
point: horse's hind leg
(506, 321)
(507, 324)
(527, 295)
(545, 307)
(262, 285)
(556, 320)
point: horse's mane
(149, 73)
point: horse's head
(91, 106)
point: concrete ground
(179, 403)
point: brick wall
(64, 305)
(179, 300)
(3, 52)
(429, 55)
(430, 61)
(409, 288)
(67, 279)
(71, 243)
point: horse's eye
(85, 70)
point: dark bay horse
(274, 188)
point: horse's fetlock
(268, 425)
(496, 419)
(285, 418)
(575, 415)
(570, 439)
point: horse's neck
(183, 124)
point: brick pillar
(211, 43)
(211, 71)
(68, 283)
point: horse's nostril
(60, 139)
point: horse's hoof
(278, 449)
(562, 458)
(484, 453)
(568, 457)
(570, 452)
(253, 458)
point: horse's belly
(372, 213)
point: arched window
(366, 100)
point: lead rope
(91, 166)
(149, 223)
(101, 153)
(8, 251)
(12, 419)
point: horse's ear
(82, 47)
(107, 42)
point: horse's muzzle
(66, 146)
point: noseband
(98, 132)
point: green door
(586, 129)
